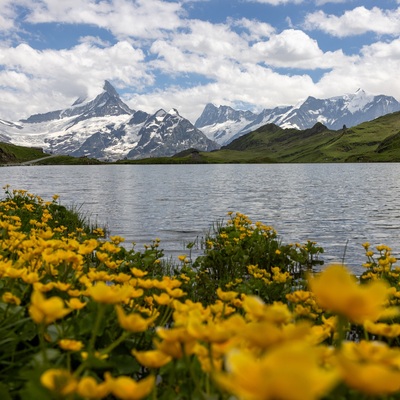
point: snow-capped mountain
(169, 131)
(107, 129)
(220, 124)
(334, 112)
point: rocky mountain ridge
(222, 124)
(107, 129)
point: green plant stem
(341, 331)
(99, 317)
(42, 328)
(116, 343)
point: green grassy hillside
(377, 140)
(11, 154)
(16, 155)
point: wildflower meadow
(87, 316)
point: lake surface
(340, 206)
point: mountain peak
(174, 111)
(110, 89)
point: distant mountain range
(224, 124)
(105, 128)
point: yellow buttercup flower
(125, 388)
(138, 273)
(337, 291)
(288, 372)
(70, 345)
(59, 381)
(46, 311)
(162, 299)
(133, 322)
(88, 246)
(382, 329)
(89, 388)
(109, 294)
(226, 296)
(98, 355)
(75, 304)
(152, 358)
(370, 367)
(9, 298)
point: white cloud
(322, 2)
(57, 77)
(356, 22)
(205, 49)
(123, 18)
(373, 70)
(95, 40)
(256, 29)
(288, 47)
(276, 2)
(257, 86)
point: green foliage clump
(240, 253)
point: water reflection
(340, 206)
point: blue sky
(249, 54)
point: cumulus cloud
(295, 49)
(322, 2)
(366, 71)
(356, 22)
(257, 86)
(57, 76)
(123, 18)
(290, 46)
(276, 2)
(256, 30)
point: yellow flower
(133, 322)
(277, 312)
(381, 329)
(287, 372)
(117, 239)
(176, 293)
(370, 367)
(110, 247)
(98, 355)
(113, 294)
(75, 304)
(138, 273)
(46, 311)
(89, 388)
(152, 358)
(59, 381)
(125, 388)
(337, 291)
(163, 299)
(70, 345)
(88, 246)
(226, 296)
(9, 298)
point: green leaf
(4, 393)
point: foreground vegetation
(84, 317)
